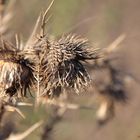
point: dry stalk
(7, 127)
(67, 105)
(2, 111)
(39, 25)
(44, 21)
(6, 14)
(115, 44)
(23, 135)
(54, 119)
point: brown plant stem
(54, 119)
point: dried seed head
(62, 66)
(15, 71)
(115, 88)
(110, 91)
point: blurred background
(101, 21)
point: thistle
(113, 90)
(62, 64)
(15, 71)
(110, 92)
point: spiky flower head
(62, 65)
(15, 71)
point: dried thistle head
(109, 91)
(15, 71)
(110, 83)
(115, 86)
(62, 64)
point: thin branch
(38, 87)
(2, 111)
(113, 46)
(24, 104)
(12, 109)
(68, 105)
(56, 117)
(17, 41)
(34, 32)
(6, 14)
(26, 133)
(43, 24)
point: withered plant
(62, 66)
(54, 67)
(110, 88)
